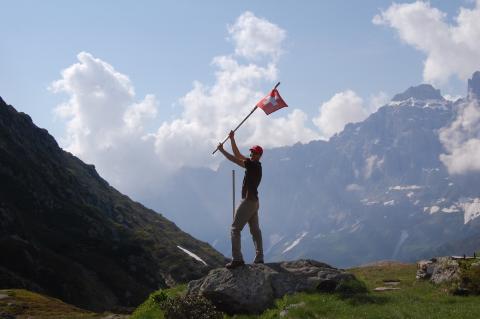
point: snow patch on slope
(295, 242)
(404, 187)
(389, 203)
(469, 206)
(188, 252)
(431, 210)
(471, 209)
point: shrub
(186, 307)
(470, 280)
(159, 297)
(351, 287)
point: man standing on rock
(247, 211)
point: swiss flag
(271, 102)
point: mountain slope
(377, 190)
(65, 232)
(383, 193)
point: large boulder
(253, 288)
(439, 270)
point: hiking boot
(234, 264)
(260, 261)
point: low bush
(186, 307)
(351, 287)
(470, 280)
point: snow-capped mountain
(377, 190)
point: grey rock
(253, 288)
(474, 85)
(438, 270)
(421, 92)
(447, 269)
(386, 288)
(424, 269)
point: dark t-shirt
(252, 178)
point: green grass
(415, 299)
(25, 304)
(150, 309)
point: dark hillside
(66, 232)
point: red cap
(257, 149)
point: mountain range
(65, 232)
(377, 190)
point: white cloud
(274, 132)
(378, 100)
(451, 49)
(255, 37)
(138, 113)
(343, 108)
(105, 121)
(462, 140)
(210, 112)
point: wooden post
(233, 194)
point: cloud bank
(105, 120)
(255, 37)
(211, 111)
(462, 140)
(450, 49)
(345, 107)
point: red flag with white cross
(269, 104)
(272, 102)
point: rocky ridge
(474, 85)
(377, 190)
(65, 232)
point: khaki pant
(247, 212)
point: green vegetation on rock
(151, 309)
(414, 299)
(469, 282)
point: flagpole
(251, 112)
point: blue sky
(328, 54)
(164, 46)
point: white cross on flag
(271, 102)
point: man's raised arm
(230, 157)
(235, 150)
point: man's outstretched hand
(220, 147)
(231, 135)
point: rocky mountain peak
(474, 85)
(420, 92)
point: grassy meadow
(414, 299)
